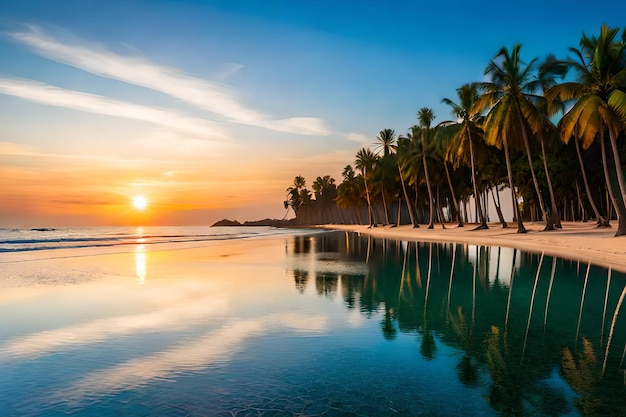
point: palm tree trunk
(601, 221)
(619, 171)
(483, 220)
(621, 215)
(440, 211)
(406, 197)
(520, 224)
(382, 191)
(454, 200)
(431, 206)
(498, 208)
(370, 212)
(549, 225)
(583, 214)
(555, 217)
(465, 210)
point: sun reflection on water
(139, 233)
(141, 263)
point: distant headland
(264, 222)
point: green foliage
(497, 124)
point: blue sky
(210, 108)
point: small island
(263, 222)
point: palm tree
(349, 192)
(402, 152)
(600, 103)
(412, 166)
(425, 116)
(512, 113)
(442, 145)
(385, 142)
(463, 133)
(601, 221)
(298, 194)
(364, 162)
(549, 69)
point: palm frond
(617, 101)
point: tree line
(504, 135)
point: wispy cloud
(9, 149)
(211, 96)
(53, 96)
(358, 137)
(229, 69)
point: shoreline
(575, 241)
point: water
(21, 240)
(278, 322)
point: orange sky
(44, 189)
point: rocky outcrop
(226, 222)
(264, 222)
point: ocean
(35, 239)
(259, 321)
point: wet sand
(576, 240)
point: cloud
(214, 97)
(302, 125)
(358, 137)
(228, 70)
(53, 96)
(13, 149)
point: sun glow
(140, 202)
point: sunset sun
(140, 202)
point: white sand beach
(576, 240)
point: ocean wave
(24, 240)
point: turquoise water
(302, 323)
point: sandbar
(576, 240)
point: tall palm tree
(600, 103)
(364, 162)
(386, 142)
(413, 166)
(463, 133)
(383, 181)
(548, 71)
(442, 145)
(349, 192)
(298, 194)
(513, 113)
(426, 116)
(601, 221)
(403, 155)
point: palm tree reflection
(502, 350)
(581, 374)
(300, 278)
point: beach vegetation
(512, 132)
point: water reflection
(531, 327)
(140, 263)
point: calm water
(283, 322)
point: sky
(209, 109)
